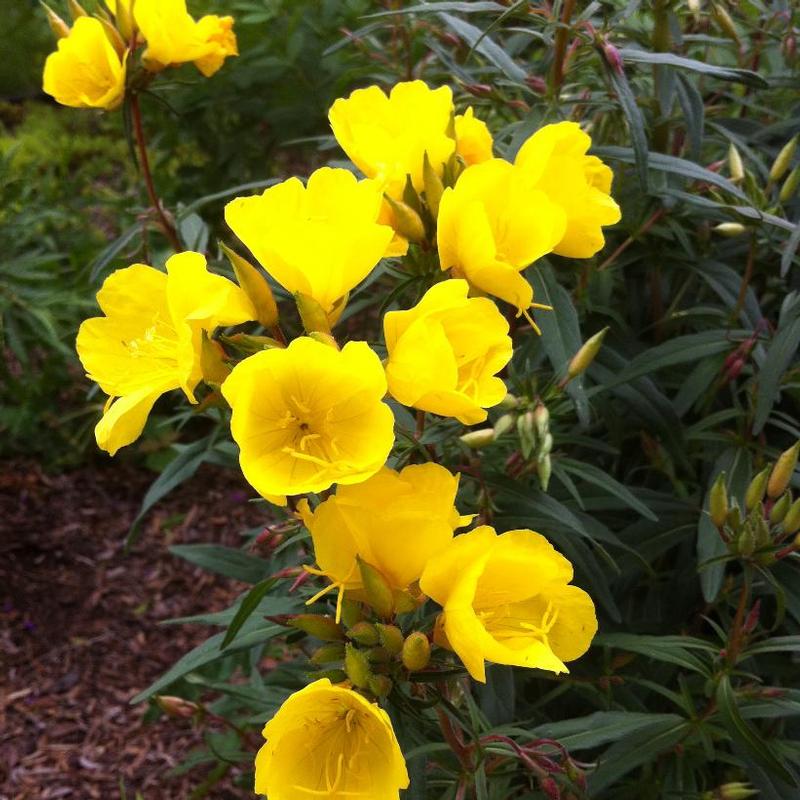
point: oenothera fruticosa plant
(413, 592)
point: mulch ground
(79, 633)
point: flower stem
(144, 166)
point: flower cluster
(311, 414)
(94, 65)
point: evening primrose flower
(444, 353)
(413, 508)
(329, 741)
(555, 158)
(150, 339)
(508, 599)
(387, 137)
(174, 37)
(473, 141)
(492, 225)
(310, 415)
(321, 239)
(86, 71)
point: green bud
(790, 186)
(378, 655)
(312, 314)
(404, 602)
(718, 501)
(746, 542)
(406, 221)
(587, 353)
(76, 9)
(212, 361)
(782, 471)
(729, 229)
(391, 637)
(545, 470)
(352, 613)
(761, 532)
(433, 186)
(113, 36)
(784, 160)
(363, 633)
(725, 22)
(57, 25)
(733, 791)
(791, 522)
(735, 164)
(334, 651)
(247, 344)
(504, 424)
(318, 625)
(356, 666)
(780, 509)
(254, 285)
(541, 419)
(546, 446)
(756, 489)
(416, 652)
(379, 594)
(508, 403)
(477, 440)
(734, 518)
(380, 685)
(526, 430)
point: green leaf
(225, 561)
(791, 248)
(745, 76)
(746, 736)
(691, 102)
(462, 6)
(668, 649)
(249, 604)
(110, 252)
(777, 644)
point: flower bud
(123, 19)
(541, 419)
(526, 429)
(57, 25)
(176, 706)
(406, 221)
(352, 612)
(334, 651)
(546, 446)
(378, 592)
(212, 361)
(248, 344)
(729, 229)
(380, 685)
(318, 625)
(725, 22)
(433, 186)
(378, 655)
(476, 440)
(784, 160)
(755, 491)
(718, 501)
(391, 637)
(508, 403)
(761, 533)
(734, 518)
(404, 602)
(791, 522)
(587, 353)
(545, 470)
(416, 652)
(746, 541)
(312, 314)
(255, 286)
(76, 9)
(790, 186)
(357, 667)
(363, 633)
(782, 471)
(324, 338)
(731, 791)
(113, 36)
(735, 164)
(504, 424)
(780, 509)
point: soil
(79, 632)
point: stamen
(528, 317)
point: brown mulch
(79, 633)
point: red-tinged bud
(539, 85)
(176, 706)
(613, 57)
(550, 788)
(751, 620)
(479, 89)
(735, 368)
(772, 691)
(450, 38)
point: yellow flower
(444, 353)
(412, 508)
(508, 599)
(387, 137)
(150, 339)
(492, 225)
(174, 37)
(555, 156)
(473, 141)
(329, 741)
(86, 71)
(308, 416)
(321, 239)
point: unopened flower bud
(718, 501)
(546, 446)
(725, 21)
(504, 424)
(755, 491)
(476, 440)
(380, 685)
(731, 791)
(780, 509)
(404, 602)
(734, 518)
(746, 541)
(114, 37)
(545, 470)
(312, 314)
(508, 403)
(363, 633)
(729, 229)
(549, 788)
(57, 25)
(333, 651)
(76, 9)
(782, 471)
(406, 221)
(433, 186)
(541, 419)
(379, 593)
(254, 285)
(356, 666)
(587, 353)
(791, 522)
(416, 651)
(526, 430)
(391, 637)
(784, 160)
(378, 655)
(212, 361)
(176, 706)
(318, 625)
(248, 344)
(735, 164)
(352, 612)
(790, 186)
